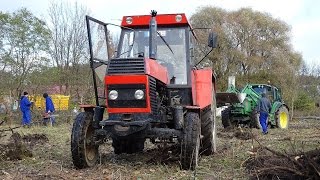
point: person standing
(25, 105)
(264, 107)
(49, 108)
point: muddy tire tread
(191, 135)
(82, 120)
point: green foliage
(24, 42)
(304, 102)
(253, 46)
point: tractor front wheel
(208, 132)
(83, 149)
(282, 117)
(190, 141)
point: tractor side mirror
(212, 40)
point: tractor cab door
(277, 94)
(99, 55)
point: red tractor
(152, 90)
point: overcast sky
(302, 15)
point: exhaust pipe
(153, 35)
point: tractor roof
(179, 19)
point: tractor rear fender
(195, 109)
(202, 84)
(276, 105)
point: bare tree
(69, 49)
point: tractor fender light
(113, 95)
(139, 94)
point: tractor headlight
(139, 94)
(113, 95)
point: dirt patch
(164, 154)
(19, 147)
(227, 129)
(34, 139)
(239, 133)
(269, 164)
(225, 135)
(243, 134)
(15, 149)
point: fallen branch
(10, 129)
(307, 117)
(280, 154)
(272, 169)
(264, 165)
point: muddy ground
(44, 153)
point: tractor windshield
(171, 49)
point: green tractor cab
(241, 105)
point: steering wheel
(139, 54)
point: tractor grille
(153, 96)
(126, 66)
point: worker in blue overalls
(25, 105)
(49, 108)
(264, 107)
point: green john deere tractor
(241, 105)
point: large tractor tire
(190, 143)
(282, 117)
(225, 118)
(208, 132)
(127, 145)
(83, 149)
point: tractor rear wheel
(225, 118)
(208, 131)
(282, 118)
(83, 149)
(127, 145)
(190, 144)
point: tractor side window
(277, 95)
(192, 48)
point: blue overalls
(25, 105)
(50, 109)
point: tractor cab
(171, 46)
(272, 92)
